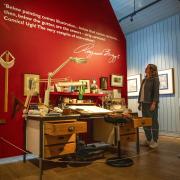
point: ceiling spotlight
(131, 19)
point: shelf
(80, 104)
(76, 94)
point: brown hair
(154, 70)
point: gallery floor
(162, 163)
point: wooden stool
(118, 161)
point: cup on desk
(74, 101)
(79, 101)
(66, 100)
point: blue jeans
(151, 132)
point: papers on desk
(99, 145)
(90, 109)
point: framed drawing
(166, 79)
(87, 85)
(134, 83)
(31, 82)
(104, 83)
(116, 80)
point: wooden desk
(49, 137)
(129, 132)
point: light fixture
(134, 13)
(131, 19)
(51, 75)
(139, 10)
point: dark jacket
(151, 90)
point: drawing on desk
(90, 109)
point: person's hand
(153, 106)
(139, 107)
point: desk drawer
(127, 129)
(49, 140)
(56, 128)
(127, 138)
(142, 121)
(57, 150)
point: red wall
(39, 51)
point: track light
(139, 10)
(131, 19)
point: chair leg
(118, 141)
(119, 161)
(119, 149)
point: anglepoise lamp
(51, 75)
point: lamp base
(119, 162)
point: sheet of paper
(90, 109)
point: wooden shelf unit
(76, 94)
(95, 98)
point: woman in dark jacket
(148, 102)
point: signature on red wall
(88, 49)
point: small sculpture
(7, 63)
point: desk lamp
(51, 75)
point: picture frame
(87, 85)
(104, 83)
(116, 80)
(31, 81)
(134, 84)
(166, 79)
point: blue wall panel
(158, 44)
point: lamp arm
(29, 96)
(59, 68)
(50, 75)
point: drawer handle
(143, 122)
(71, 128)
(61, 137)
(60, 149)
(57, 150)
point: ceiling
(147, 12)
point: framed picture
(166, 79)
(104, 83)
(31, 83)
(87, 85)
(134, 83)
(116, 80)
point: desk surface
(51, 118)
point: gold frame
(116, 80)
(104, 83)
(28, 80)
(87, 82)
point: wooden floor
(160, 164)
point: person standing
(148, 103)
